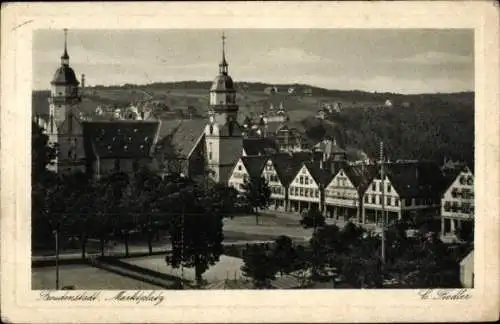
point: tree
(195, 227)
(42, 154)
(312, 218)
(108, 207)
(257, 193)
(284, 254)
(259, 265)
(325, 244)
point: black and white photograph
(206, 162)
(253, 159)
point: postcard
(250, 162)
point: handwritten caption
(445, 294)
(138, 297)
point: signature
(445, 294)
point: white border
(19, 304)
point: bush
(312, 218)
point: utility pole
(56, 234)
(382, 187)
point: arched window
(211, 129)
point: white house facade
(457, 204)
(238, 176)
(304, 191)
(342, 200)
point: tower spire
(223, 65)
(65, 56)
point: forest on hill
(431, 132)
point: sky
(383, 60)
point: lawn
(84, 277)
(227, 267)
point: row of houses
(343, 191)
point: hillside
(429, 126)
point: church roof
(178, 137)
(65, 76)
(118, 139)
(222, 82)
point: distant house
(307, 92)
(321, 114)
(467, 271)
(270, 90)
(457, 205)
(388, 103)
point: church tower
(63, 127)
(223, 134)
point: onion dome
(223, 82)
(64, 74)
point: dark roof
(360, 175)
(285, 168)
(259, 146)
(119, 139)
(254, 165)
(178, 137)
(417, 179)
(222, 82)
(64, 75)
(321, 176)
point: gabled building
(411, 190)
(180, 147)
(457, 204)
(122, 146)
(247, 168)
(307, 187)
(344, 194)
(279, 172)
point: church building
(193, 147)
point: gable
(341, 180)
(239, 171)
(177, 138)
(305, 174)
(464, 179)
(270, 170)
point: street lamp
(56, 235)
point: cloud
(291, 56)
(436, 58)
